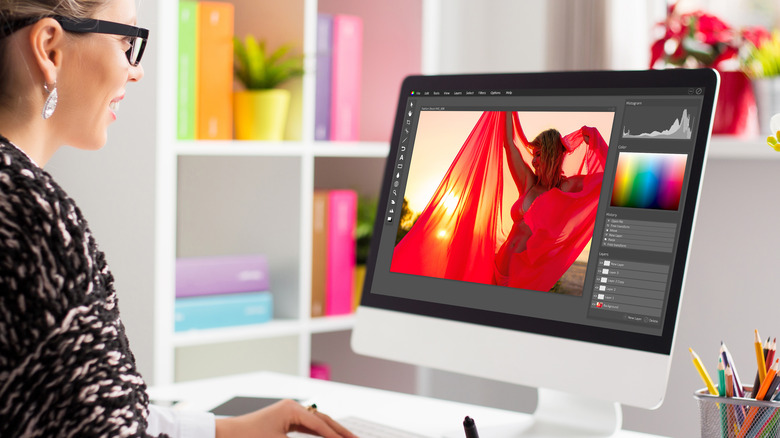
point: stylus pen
(470, 428)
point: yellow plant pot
(260, 114)
(360, 278)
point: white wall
(112, 187)
(485, 36)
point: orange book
(215, 71)
(319, 259)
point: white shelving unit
(223, 197)
(740, 148)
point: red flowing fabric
(455, 235)
(458, 232)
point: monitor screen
(544, 211)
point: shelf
(721, 147)
(332, 323)
(281, 148)
(271, 329)
(732, 147)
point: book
(342, 217)
(186, 97)
(319, 256)
(197, 276)
(346, 71)
(215, 71)
(213, 311)
(319, 370)
(323, 77)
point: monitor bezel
(536, 83)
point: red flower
(695, 39)
(756, 35)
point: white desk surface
(423, 415)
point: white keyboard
(367, 429)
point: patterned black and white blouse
(66, 369)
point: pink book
(342, 218)
(346, 68)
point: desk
(427, 416)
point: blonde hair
(551, 154)
(11, 10)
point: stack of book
(205, 76)
(338, 79)
(222, 291)
(333, 252)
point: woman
(65, 365)
(552, 220)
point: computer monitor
(549, 258)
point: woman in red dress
(552, 219)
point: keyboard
(367, 429)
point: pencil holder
(736, 417)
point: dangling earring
(51, 101)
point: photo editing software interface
(478, 215)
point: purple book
(323, 77)
(197, 276)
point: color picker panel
(647, 180)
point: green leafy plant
(763, 58)
(259, 69)
(366, 215)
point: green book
(187, 71)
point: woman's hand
(277, 420)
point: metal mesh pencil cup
(736, 417)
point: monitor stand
(561, 415)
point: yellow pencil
(703, 372)
(760, 359)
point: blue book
(322, 90)
(212, 311)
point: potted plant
(260, 111)
(364, 228)
(761, 63)
(699, 40)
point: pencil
(753, 410)
(772, 387)
(761, 373)
(722, 407)
(770, 355)
(729, 375)
(760, 358)
(767, 381)
(739, 390)
(731, 409)
(703, 372)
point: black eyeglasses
(137, 36)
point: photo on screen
(478, 209)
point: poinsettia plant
(699, 39)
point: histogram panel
(659, 122)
